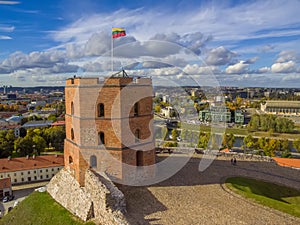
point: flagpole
(112, 54)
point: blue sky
(237, 43)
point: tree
(296, 144)
(250, 142)
(55, 136)
(203, 140)
(261, 142)
(284, 145)
(52, 117)
(271, 146)
(23, 146)
(255, 122)
(228, 140)
(39, 144)
(174, 134)
(157, 108)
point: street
(20, 192)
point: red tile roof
(17, 164)
(5, 183)
(59, 123)
(295, 163)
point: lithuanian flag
(118, 32)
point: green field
(40, 209)
(282, 198)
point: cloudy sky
(233, 43)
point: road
(20, 192)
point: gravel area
(193, 197)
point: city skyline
(233, 43)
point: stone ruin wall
(100, 200)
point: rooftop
(38, 123)
(17, 164)
(5, 183)
(294, 163)
(293, 104)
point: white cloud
(284, 67)
(9, 2)
(4, 37)
(285, 56)
(237, 68)
(264, 70)
(196, 69)
(7, 28)
(219, 56)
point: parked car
(8, 198)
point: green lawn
(272, 195)
(40, 209)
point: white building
(31, 169)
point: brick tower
(108, 125)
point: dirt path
(191, 197)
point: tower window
(93, 161)
(101, 138)
(70, 160)
(137, 135)
(136, 109)
(139, 158)
(100, 110)
(72, 134)
(72, 108)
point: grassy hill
(40, 209)
(272, 195)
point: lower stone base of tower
(99, 200)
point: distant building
(221, 114)
(5, 187)
(239, 117)
(215, 114)
(168, 112)
(281, 107)
(38, 124)
(30, 169)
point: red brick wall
(86, 94)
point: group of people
(233, 161)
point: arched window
(93, 161)
(136, 109)
(100, 110)
(70, 160)
(101, 138)
(139, 158)
(137, 135)
(72, 134)
(72, 108)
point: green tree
(228, 140)
(23, 146)
(203, 140)
(56, 136)
(52, 117)
(39, 144)
(175, 134)
(255, 122)
(250, 142)
(261, 142)
(271, 147)
(157, 108)
(284, 145)
(296, 144)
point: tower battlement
(108, 125)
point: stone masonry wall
(99, 200)
(108, 201)
(64, 188)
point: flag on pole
(118, 32)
